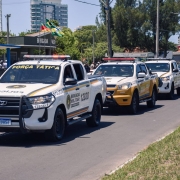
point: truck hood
(162, 74)
(17, 90)
(118, 80)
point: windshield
(158, 67)
(115, 70)
(47, 74)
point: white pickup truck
(47, 95)
(168, 72)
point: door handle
(87, 85)
(77, 89)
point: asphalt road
(87, 153)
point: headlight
(42, 101)
(124, 86)
(167, 78)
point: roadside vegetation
(160, 161)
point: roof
(5, 46)
(38, 34)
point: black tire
(171, 94)
(56, 133)
(178, 91)
(133, 108)
(95, 119)
(152, 102)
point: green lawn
(160, 161)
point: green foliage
(2, 41)
(67, 44)
(25, 33)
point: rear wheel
(171, 94)
(94, 120)
(152, 102)
(56, 133)
(133, 108)
(178, 91)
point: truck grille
(111, 85)
(10, 108)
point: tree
(67, 44)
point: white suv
(167, 70)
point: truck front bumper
(117, 100)
(165, 88)
(24, 118)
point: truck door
(84, 86)
(175, 74)
(72, 94)
(146, 83)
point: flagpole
(39, 42)
(50, 41)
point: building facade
(0, 15)
(48, 9)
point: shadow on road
(165, 97)
(117, 111)
(78, 130)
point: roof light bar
(119, 59)
(159, 59)
(46, 56)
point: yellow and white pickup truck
(47, 95)
(128, 83)
(167, 70)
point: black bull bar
(110, 100)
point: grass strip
(160, 161)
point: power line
(86, 3)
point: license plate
(5, 122)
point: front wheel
(133, 108)
(152, 102)
(94, 120)
(171, 94)
(56, 133)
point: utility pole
(157, 31)
(93, 46)
(107, 9)
(8, 16)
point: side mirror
(141, 75)
(70, 81)
(175, 70)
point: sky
(79, 14)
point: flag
(56, 31)
(44, 28)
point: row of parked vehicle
(130, 81)
(48, 93)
